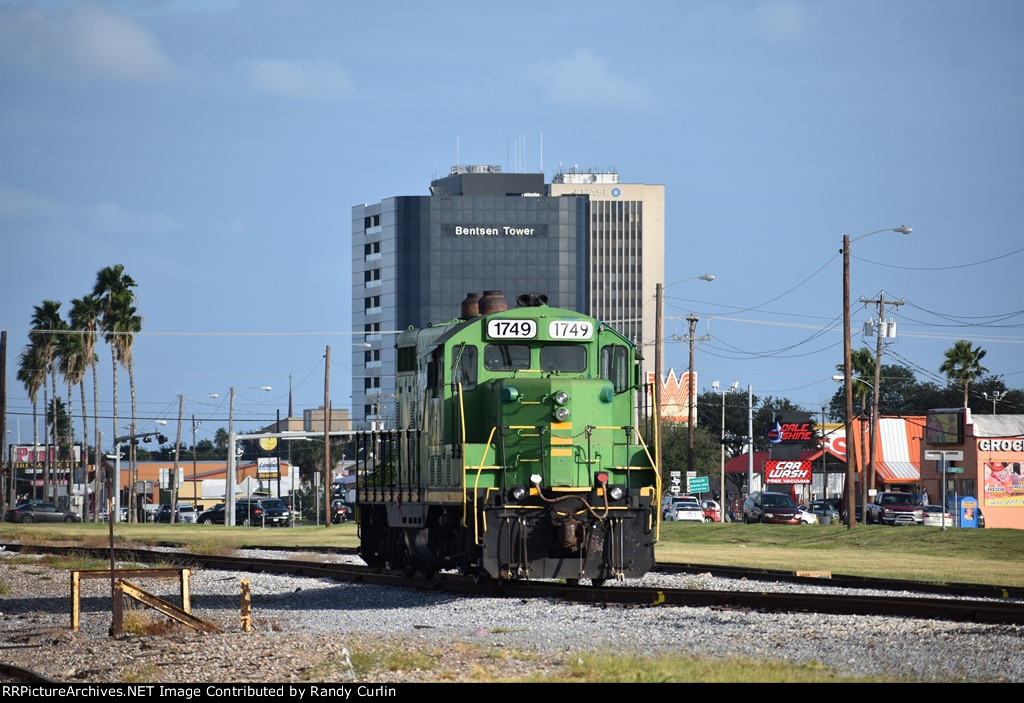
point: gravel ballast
(307, 629)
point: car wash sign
(787, 472)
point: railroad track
(1002, 607)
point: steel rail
(1008, 612)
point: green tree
(963, 365)
(85, 318)
(32, 375)
(47, 323)
(119, 322)
(71, 364)
(221, 438)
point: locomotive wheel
(597, 583)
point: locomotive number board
(511, 329)
(527, 329)
(570, 329)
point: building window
(371, 301)
(371, 355)
(371, 248)
(371, 275)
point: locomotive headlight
(561, 397)
(518, 492)
(510, 394)
(615, 492)
(562, 414)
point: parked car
(806, 516)
(858, 514)
(825, 508)
(262, 512)
(104, 516)
(40, 512)
(213, 516)
(712, 511)
(776, 508)
(934, 516)
(183, 513)
(685, 510)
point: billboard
(787, 472)
(1004, 483)
(675, 392)
(27, 456)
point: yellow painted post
(76, 602)
(186, 596)
(246, 607)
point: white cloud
(587, 79)
(18, 204)
(304, 80)
(85, 41)
(111, 217)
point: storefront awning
(899, 449)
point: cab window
(563, 357)
(615, 366)
(464, 366)
(506, 357)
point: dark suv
(262, 512)
(776, 508)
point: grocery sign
(787, 472)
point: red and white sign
(29, 456)
(787, 472)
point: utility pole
(690, 390)
(692, 319)
(824, 469)
(658, 342)
(8, 491)
(884, 329)
(177, 456)
(327, 438)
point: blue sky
(216, 148)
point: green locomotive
(516, 452)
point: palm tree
(112, 286)
(220, 439)
(128, 324)
(85, 317)
(72, 364)
(46, 325)
(963, 364)
(32, 374)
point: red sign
(788, 472)
(790, 432)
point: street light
(229, 479)
(847, 364)
(996, 395)
(731, 389)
